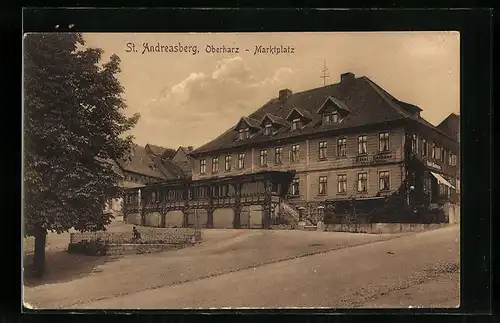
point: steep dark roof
(451, 125)
(341, 105)
(168, 168)
(186, 150)
(367, 102)
(274, 119)
(160, 151)
(302, 112)
(451, 118)
(139, 161)
(251, 122)
(169, 153)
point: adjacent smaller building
(184, 160)
(451, 126)
(148, 165)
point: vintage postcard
(241, 170)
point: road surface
(74, 279)
(418, 270)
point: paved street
(73, 279)
(419, 270)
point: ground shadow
(62, 266)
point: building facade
(351, 140)
(342, 142)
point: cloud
(429, 45)
(231, 90)
(233, 69)
(280, 76)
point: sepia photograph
(241, 170)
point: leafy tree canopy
(73, 127)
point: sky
(187, 99)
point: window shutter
(290, 155)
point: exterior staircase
(289, 214)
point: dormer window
(246, 127)
(330, 117)
(333, 110)
(243, 134)
(295, 124)
(298, 118)
(268, 130)
(272, 123)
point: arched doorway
(174, 219)
(255, 214)
(153, 219)
(223, 218)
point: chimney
(346, 78)
(284, 94)
(190, 148)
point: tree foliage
(73, 126)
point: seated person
(137, 234)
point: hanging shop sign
(433, 165)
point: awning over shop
(442, 180)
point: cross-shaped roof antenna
(325, 75)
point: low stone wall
(382, 227)
(133, 249)
(148, 235)
(122, 243)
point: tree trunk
(39, 255)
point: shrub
(89, 248)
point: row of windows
(361, 185)
(432, 151)
(216, 191)
(294, 154)
(227, 163)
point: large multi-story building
(345, 141)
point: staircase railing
(289, 214)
